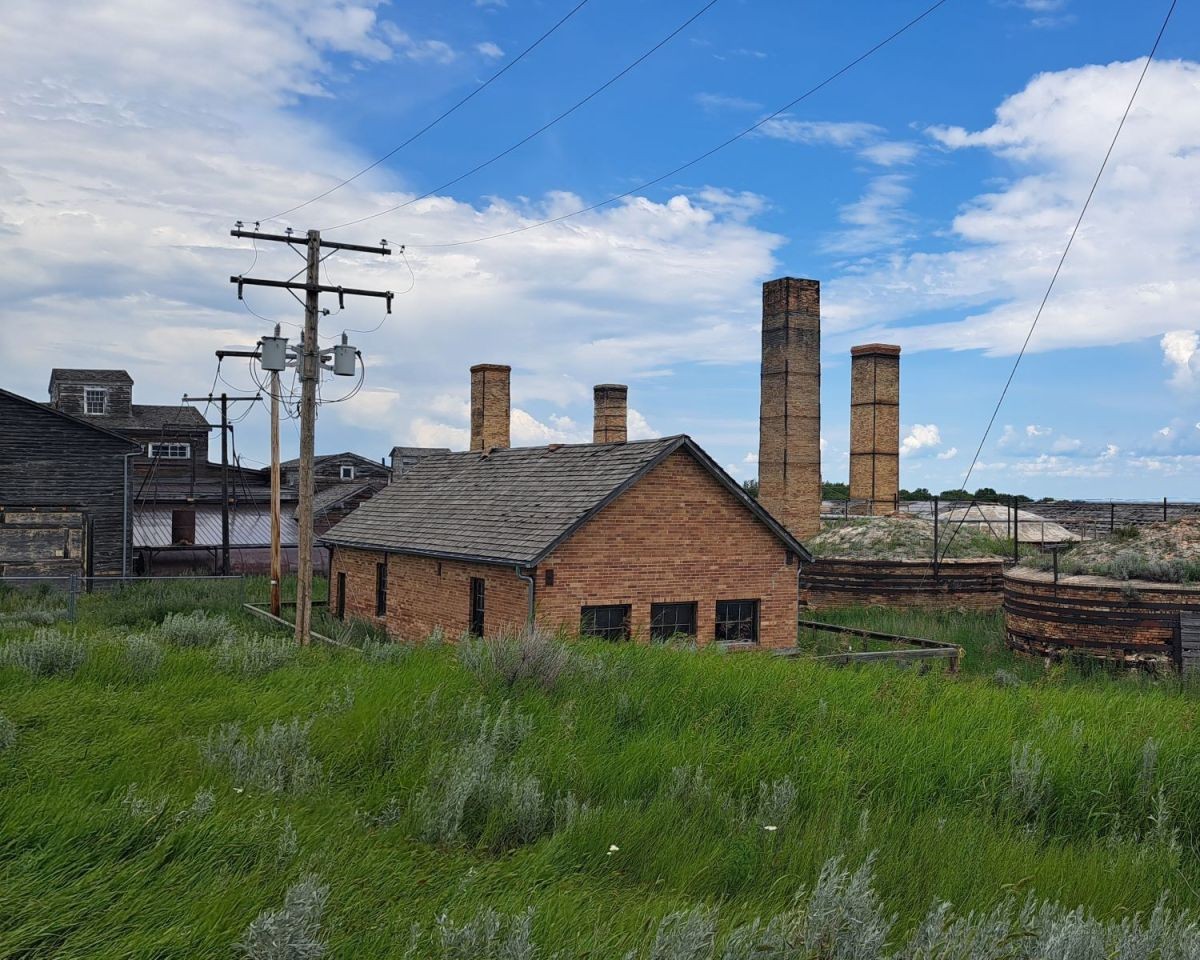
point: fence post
(72, 593)
(1016, 517)
(936, 565)
(1164, 509)
(1112, 518)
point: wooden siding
(54, 463)
(1134, 622)
(973, 584)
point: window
(347, 471)
(607, 623)
(737, 621)
(381, 589)
(169, 451)
(669, 620)
(477, 587)
(341, 595)
(95, 401)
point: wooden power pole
(276, 536)
(309, 362)
(224, 400)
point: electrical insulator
(344, 358)
(274, 353)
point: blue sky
(930, 189)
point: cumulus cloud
(877, 219)
(949, 454)
(131, 147)
(1134, 270)
(1181, 355)
(489, 49)
(922, 436)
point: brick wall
(676, 536)
(424, 593)
(490, 414)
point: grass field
(182, 787)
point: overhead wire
(1062, 259)
(540, 130)
(442, 116)
(900, 31)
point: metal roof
(515, 505)
(248, 527)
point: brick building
(642, 540)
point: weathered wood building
(65, 492)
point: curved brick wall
(1135, 622)
(831, 582)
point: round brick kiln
(976, 584)
(1132, 622)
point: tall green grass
(139, 814)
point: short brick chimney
(489, 406)
(610, 423)
(875, 426)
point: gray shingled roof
(93, 376)
(513, 505)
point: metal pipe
(125, 512)
(529, 579)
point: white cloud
(131, 147)
(489, 49)
(876, 220)
(949, 454)
(750, 457)
(718, 101)
(922, 436)
(1111, 450)
(638, 428)
(1181, 355)
(527, 431)
(890, 153)
(433, 51)
(1134, 270)
(1033, 430)
(834, 133)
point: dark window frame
(477, 609)
(341, 595)
(664, 615)
(381, 588)
(727, 618)
(607, 631)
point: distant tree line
(831, 490)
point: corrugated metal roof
(248, 527)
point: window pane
(672, 619)
(737, 621)
(607, 623)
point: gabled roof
(515, 505)
(332, 497)
(90, 376)
(347, 457)
(154, 417)
(46, 408)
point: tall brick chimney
(611, 419)
(489, 405)
(789, 439)
(875, 426)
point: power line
(1070, 240)
(695, 160)
(543, 128)
(433, 123)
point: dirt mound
(1164, 552)
(901, 537)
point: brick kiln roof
(515, 505)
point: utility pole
(276, 549)
(309, 363)
(224, 399)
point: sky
(930, 189)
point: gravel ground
(901, 537)
(1165, 552)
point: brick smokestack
(875, 426)
(489, 405)
(610, 423)
(789, 439)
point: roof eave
(523, 562)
